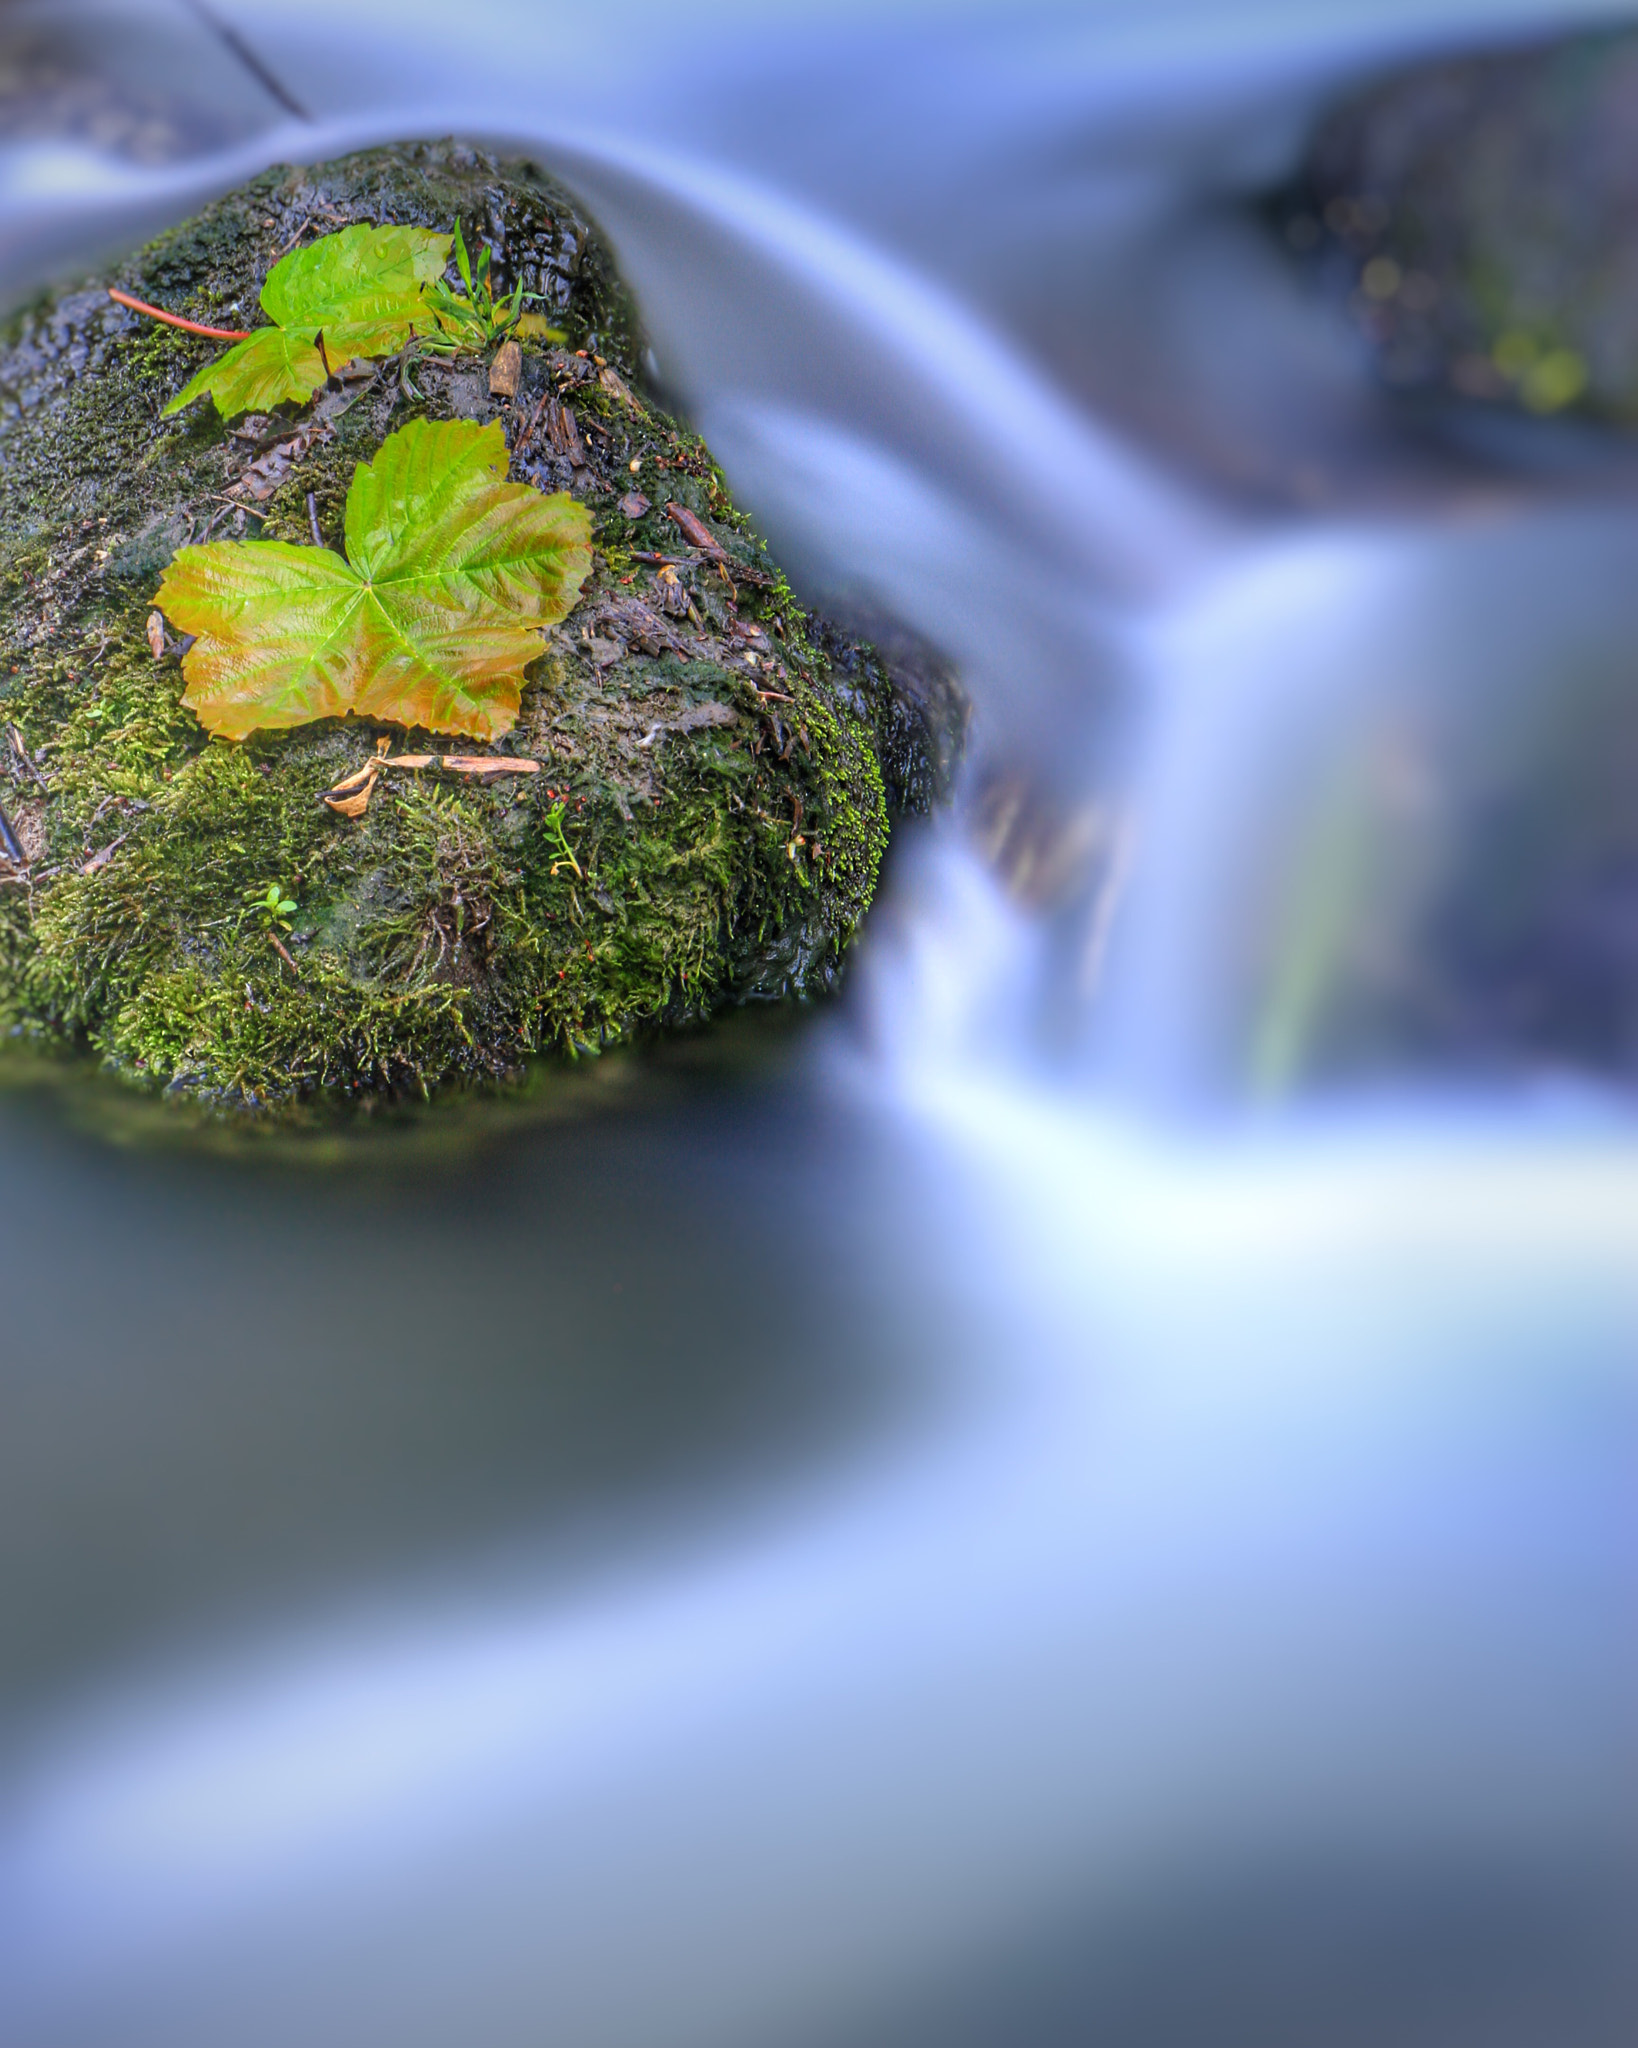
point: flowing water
(1084, 1493)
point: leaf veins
(431, 619)
(360, 289)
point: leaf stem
(176, 320)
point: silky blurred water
(1084, 1492)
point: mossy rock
(1475, 213)
(725, 765)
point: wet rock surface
(1479, 218)
(726, 764)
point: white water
(987, 1532)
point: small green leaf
(431, 622)
(254, 375)
(361, 288)
(462, 261)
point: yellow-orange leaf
(432, 621)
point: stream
(1084, 1491)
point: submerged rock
(193, 910)
(1476, 213)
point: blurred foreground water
(1088, 1493)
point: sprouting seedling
(365, 291)
(274, 908)
(356, 293)
(478, 320)
(554, 831)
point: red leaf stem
(176, 320)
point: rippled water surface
(1083, 1492)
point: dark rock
(649, 873)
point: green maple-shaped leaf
(361, 289)
(431, 622)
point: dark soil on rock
(726, 764)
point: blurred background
(1084, 1491)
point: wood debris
(104, 854)
(350, 797)
(699, 535)
(617, 387)
(694, 529)
(506, 371)
(562, 433)
(634, 505)
(269, 471)
(486, 767)
(695, 719)
(156, 635)
(25, 761)
(565, 435)
(672, 595)
(353, 806)
(630, 622)
(282, 449)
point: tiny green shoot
(478, 320)
(274, 907)
(554, 832)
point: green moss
(727, 815)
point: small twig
(324, 355)
(484, 766)
(10, 845)
(528, 433)
(284, 956)
(176, 320)
(236, 46)
(312, 520)
(301, 229)
(308, 220)
(24, 759)
(104, 854)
